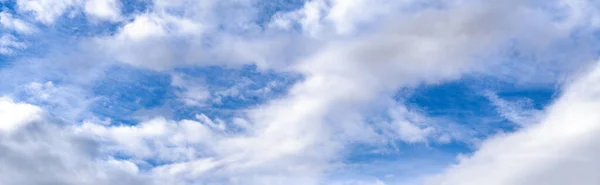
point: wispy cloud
(100, 91)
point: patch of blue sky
(123, 90)
(402, 163)
(464, 101)
(8, 60)
(398, 150)
(235, 89)
(63, 104)
(5, 59)
(458, 102)
(63, 35)
(132, 7)
(269, 8)
(540, 97)
(126, 93)
(75, 24)
(80, 26)
(49, 41)
(8, 5)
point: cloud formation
(558, 150)
(352, 56)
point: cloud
(323, 112)
(103, 9)
(9, 43)
(14, 115)
(48, 11)
(157, 139)
(9, 22)
(45, 11)
(32, 145)
(210, 33)
(407, 125)
(351, 63)
(193, 93)
(561, 149)
(520, 112)
(155, 35)
(318, 17)
(68, 103)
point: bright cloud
(15, 115)
(48, 11)
(296, 92)
(558, 150)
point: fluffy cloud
(103, 9)
(208, 33)
(157, 139)
(45, 11)
(48, 11)
(155, 35)
(561, 149)
(193, 92)
(32, 144)
(14, 115)
(409, 126)
(351, 63)
(318, 17)
(322, 112)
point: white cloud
(8, 21)
(69, 103)
(581, 12)
(193, 92)
(296, 139)
(323, 112)
(14, 115)
(346, 16)
(103, 9)
(520, 112)
(208, 33)
(31, 144)
(48, 11)
(157, 139)
(310, 17)
(9, 43)
(157, 36)
(409, 126)
(319, 17)
(58, 156)
(561, 149)
(43, 91)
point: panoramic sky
(299, 92)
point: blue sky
(307, 92)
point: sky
(299, 92)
